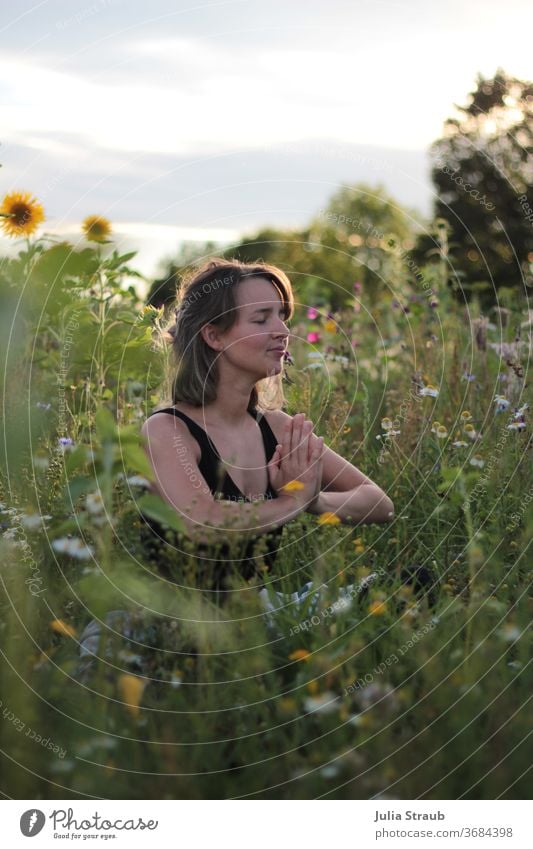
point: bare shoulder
(277, 419)
(164, 428)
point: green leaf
(105, 426)
(154, 507)
(136, 459)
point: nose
(282, 330)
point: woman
(226, 457)
(230, 339)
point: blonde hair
(208, 296)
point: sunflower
(96, 228)
(21, 214)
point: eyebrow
(268, 309)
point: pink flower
(313, 336)
(312, 313)
(357, 287)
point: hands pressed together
(299, 457)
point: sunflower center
(20, 214)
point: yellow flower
(442, 433)
(328, 519)
(465, 415)
(62, 628)
(359, 548)
(347, 429)
(96, 228)
(21, 214)
(131, 688)
(386, 423)
(300, 654)
(292, 486)
(330, 325)
(312, 686)
(377, 608)
(435, 427)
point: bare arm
(344, 489)
(173, 454)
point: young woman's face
(259, 337)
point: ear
(212, 337)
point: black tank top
(221, 486)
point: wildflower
(138, 480)
(62, 628)
(470, 431)
(65, 444)
(41, 406)
(40, 460)
(73, 547)
(300, 654)
(33, 520)
(501, 403)
(429, 391)
(21, 214)
(312, 313)
(292, 486)
(357, 287)
(330, 325)
(477, 460)
(386, 423)
(324, 703)
(347, 429)
(442, 432)
(434, 302)
(435, 427)
(328, 518)
(466, 416)
(459, 443)
(131, 688)
(313, 336)
(96, 228)
(176, 680)
(377, 608)
(468, 377)
(510, 633)
(94, 503)
(521, 410)
(516, 426)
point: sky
(185, 120)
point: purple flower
(357, 287)
(312, 313)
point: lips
(277, 350)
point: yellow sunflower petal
(96, 228)
(20, 214)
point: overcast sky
(187, 120)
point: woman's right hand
(298, 458)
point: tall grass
(418, 688)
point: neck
(231, 405)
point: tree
(482, 173)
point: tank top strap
(269, 438)
(198, 432)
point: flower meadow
(407, 676)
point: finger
(296, 435)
